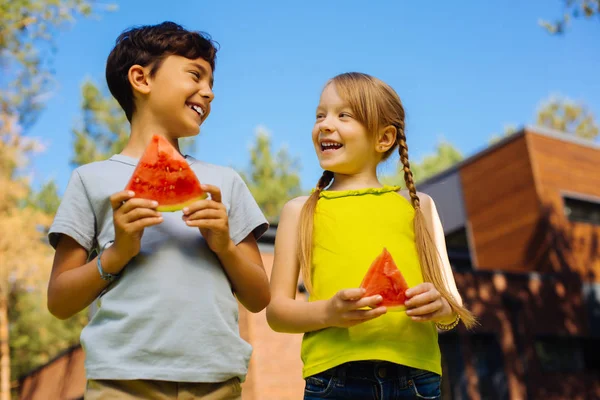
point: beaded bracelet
(105, 275)
(447, 327)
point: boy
(167, 325)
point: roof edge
(525, 129)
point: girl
(353, 349)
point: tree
(46, 199)
(25, 257)
(445, 156)
(567, 116)
(272, 179)
(35, 335)
(39, 336)
(573, 9)
(562, 115)
(103, 130)
(26, 44)
(509, 129)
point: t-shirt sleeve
(75, 215)
(245, 216)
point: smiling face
(179, 95)
(343, 145)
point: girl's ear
(139, 79)
(386, 139)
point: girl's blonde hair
(376, 106)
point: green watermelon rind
(395, 308)
(388, 308)
(179, 206)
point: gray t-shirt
(171, 315)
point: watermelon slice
(162, 174)
(385, 279)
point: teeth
(329, 145)
(198, 109)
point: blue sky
(463, 69)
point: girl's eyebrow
(337, 107)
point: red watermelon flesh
(162, 174)
(385, 279)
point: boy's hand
(210, 216)
(343, 310)
(425, 303)
(130, 217)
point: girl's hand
(343, 310)
(210, 216)
(425, 303)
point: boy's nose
(207, 93)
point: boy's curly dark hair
(150, 45)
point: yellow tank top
(351, 228)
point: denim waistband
(372, 369)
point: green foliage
(567, 116)
(103, 129)
(573, 9)
(46, 199)
(26, 46)
(509, 129)
(273, 179)
(36, 335)
(445, 156)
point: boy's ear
(386, 139)
(139, 79)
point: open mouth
(330, 146)
(199, 110)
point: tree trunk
(4, 349)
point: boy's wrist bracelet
(105, 275)
(451, 325)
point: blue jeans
(373, 380)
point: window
(459, 255)
(580, 210)
(560, 354)
(568, 353)
(591, 355)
